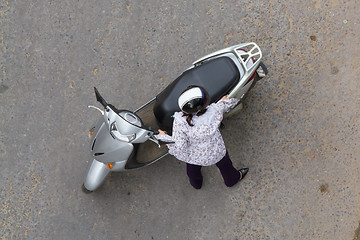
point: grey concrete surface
(298, 133)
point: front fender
(96, 175)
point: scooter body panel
(105, 148)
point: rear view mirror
(99, 98)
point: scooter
(122, 140)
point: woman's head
(193, 100)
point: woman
(197, 139)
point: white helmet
(193, 100)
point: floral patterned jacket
(201, 144)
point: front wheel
(84, 190)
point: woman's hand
(224, 97)
(161, 131)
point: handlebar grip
(157, 132)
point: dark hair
(190, 116)
(203, 110)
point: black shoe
(243, 172)
(196, 184)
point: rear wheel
(233, 111)
(262, 70)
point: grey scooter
(123, 140)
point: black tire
(263, 66)
(84, 190)
(257, 77)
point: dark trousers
(230, 174)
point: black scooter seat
(217, 76)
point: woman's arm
(178, 137)
(163, 136)
(225, 103)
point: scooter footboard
(96, 175)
